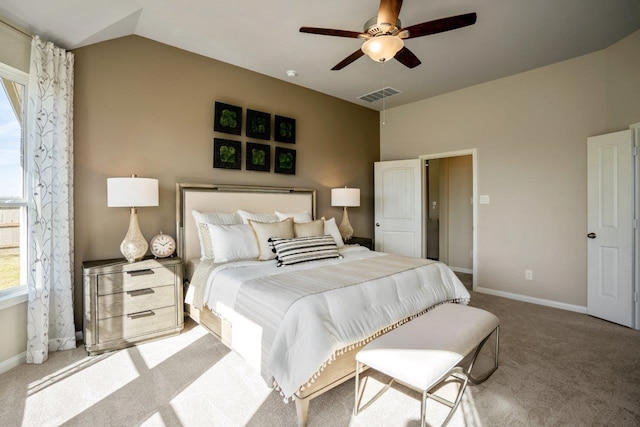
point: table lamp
(345, 197)
(132, 193)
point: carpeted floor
(557, 368)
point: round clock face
(162, 245)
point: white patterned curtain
(50, 146)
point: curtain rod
(13, 27)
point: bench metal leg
(360, 390)
(483, 378)
(459, 373)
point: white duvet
(289, 322)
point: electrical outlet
(528, 275)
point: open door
(610, 222)
(398, 207)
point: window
(13, 173)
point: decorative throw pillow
(331, 228)
(297, 216)
(308, 229)
(233, 242)
(260, 217)
(203, 218)
(304, 249)
(263, 231)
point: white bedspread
(290, 321)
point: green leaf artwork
(286, 160)
(227, 154)
(286, 130)
(228, 118)
(258, 124)
(258, 157)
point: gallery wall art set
(227, 153)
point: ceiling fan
(384, 36)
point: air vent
(379, 94)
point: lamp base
(134, 246)
(346, 231)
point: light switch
(484, 199)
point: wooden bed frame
(226, 198)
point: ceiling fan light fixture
(382, 48)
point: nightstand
(362, 241)
(128, 303)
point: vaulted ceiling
(510, 36)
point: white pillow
(203, 218)
(331, 228)
(260, 217)
(297, 216)
(233, 242)
(265, 230)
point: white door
(398, 207)
(610, 222)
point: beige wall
(13, 333)
(147, 108)
(530, 130)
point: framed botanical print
(285, 161)
(258, 157)
(227, 118)
(227, 154)
(258, 124)
(285, 130)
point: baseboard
(539, 301)
(461, 270)
(13, 362)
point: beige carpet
(557, 368)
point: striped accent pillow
(304, 249)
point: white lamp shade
(349, 197)
(382, 48)
(132, 192)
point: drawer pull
(140, 272)
(139, 292)
(140, 314)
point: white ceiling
(510, 36)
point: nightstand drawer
(133, 280)
(123, 303)
(136, 324)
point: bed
(299, 324)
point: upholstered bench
(427, 350)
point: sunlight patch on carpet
(155, 352)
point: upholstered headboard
(230, 198)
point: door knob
(591, 235)
(377, 224)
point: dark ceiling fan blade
(441, 25)
(348, 60)
(406, 57)
(388, 11)
(330, 32)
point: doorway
(450, 189)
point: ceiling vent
(379, 94)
